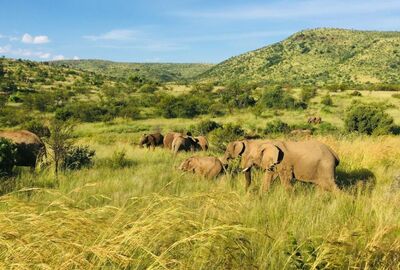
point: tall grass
(149, 215)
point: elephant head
(233, 150)
(267, 156)
(144, 140)
(187, 165)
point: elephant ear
(238, 148)
(269, 156)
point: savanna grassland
(131, 208)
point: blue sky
(173, 30)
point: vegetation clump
(327, 100)
(368, 119)
(276, 126)
(78, 157)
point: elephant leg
(247, 175)
(285, 178)
(268, 177)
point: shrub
(186, 106)
(277, 98)
(202, 87)
(148, 88)
(8, 154)
(325, 128)
(205, 126)
(221, 136)
(3, 100)
(397, 95)
(78, 157)
(327, 100)
(38, 128)
(356, 93)
(276, 126)
(118, 160)
(307, 93)
(237, 95)
(368, 119)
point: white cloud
(26, 38)
(76, 58)
(18, 52)
(117, 34)
(58, 57)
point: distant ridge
(317, 56)
(159, 72)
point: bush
(276, 126)
(237, 95)
(327, 100)
(78, 157)
(118, 160)
(148, 88)
(220, 137)
(38, 128)
(368, 119)
(397, 95)
(277, 98)
(185, 106)
(202, 87)
(205, 126)
(356, 93)
(307, 94)
(8, 153)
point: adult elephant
(209, 167)
(169, 138)
(242, 149)
(202, 142)
(29, 147)
(183, 143)
(307, 161)
(151, 140)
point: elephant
(151, 140)
(208, 167)
(169, 138)
(185, 143)
(307, 161)
(242, 149)
(202, 142)
(30, 147)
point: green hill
(158, 72)
(319, 56)
(29, 76)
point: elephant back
(21, 137)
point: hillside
(158, 72)
(319, 56)
(29, 76)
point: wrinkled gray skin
(307, 161)
(183, 143)
(209, 167)
(29, 147)
(151, 140)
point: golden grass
(151, 216)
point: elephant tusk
(246, 169)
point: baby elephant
(209, 167)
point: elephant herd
(307, 161)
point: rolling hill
(158, 72)
(318, 56)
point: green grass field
(146, 214)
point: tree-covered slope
(158, 72)
(18, 75)
(321, 56)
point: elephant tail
(337, 160)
